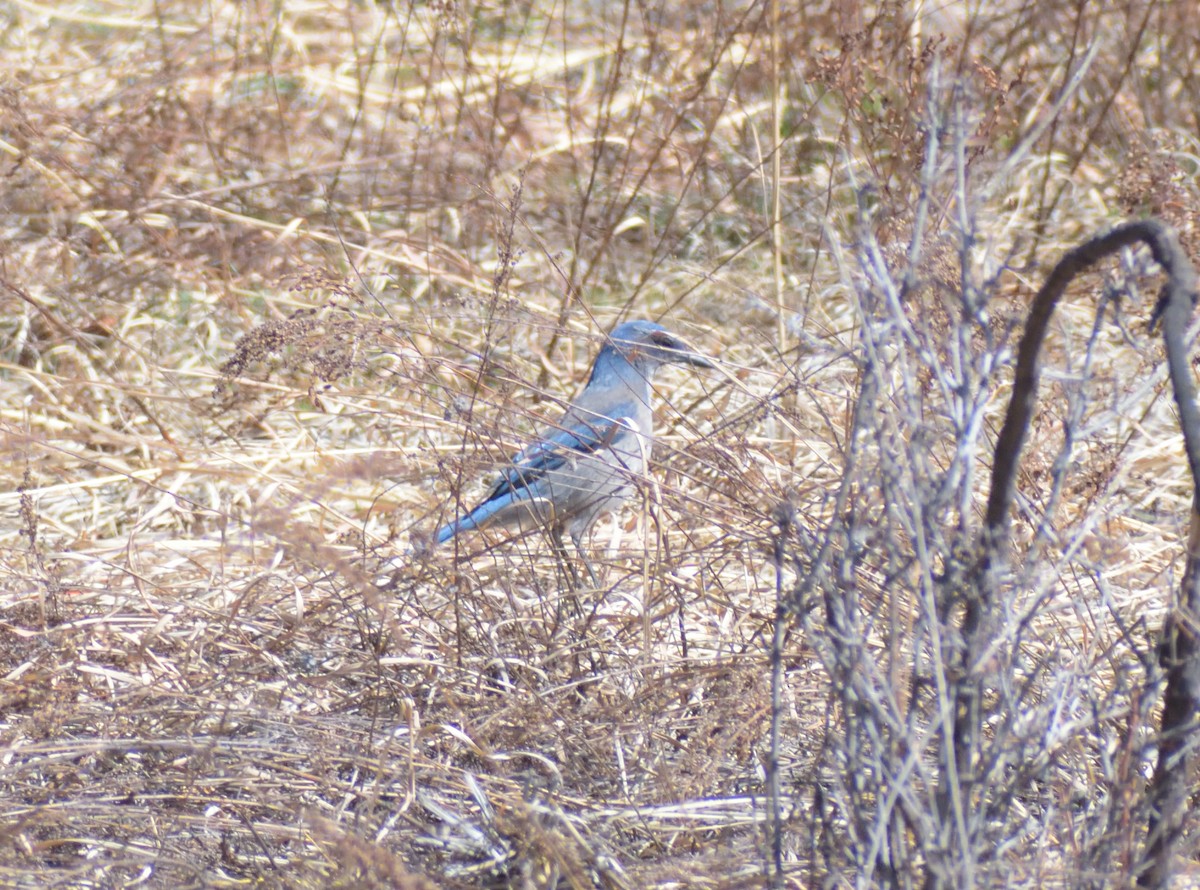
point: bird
(587, 463)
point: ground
(285, 283)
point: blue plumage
(586, 465)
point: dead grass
(283, 282)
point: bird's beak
(684, 353)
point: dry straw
(281, 280)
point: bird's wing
(578, 435)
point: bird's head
(647, 345)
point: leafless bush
(976, 735)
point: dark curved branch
(1176, 308)
(1179, 650)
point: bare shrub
(986, 726)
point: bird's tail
(450, 529)
(475, 519)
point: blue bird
(587, 464)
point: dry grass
(282, 282)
